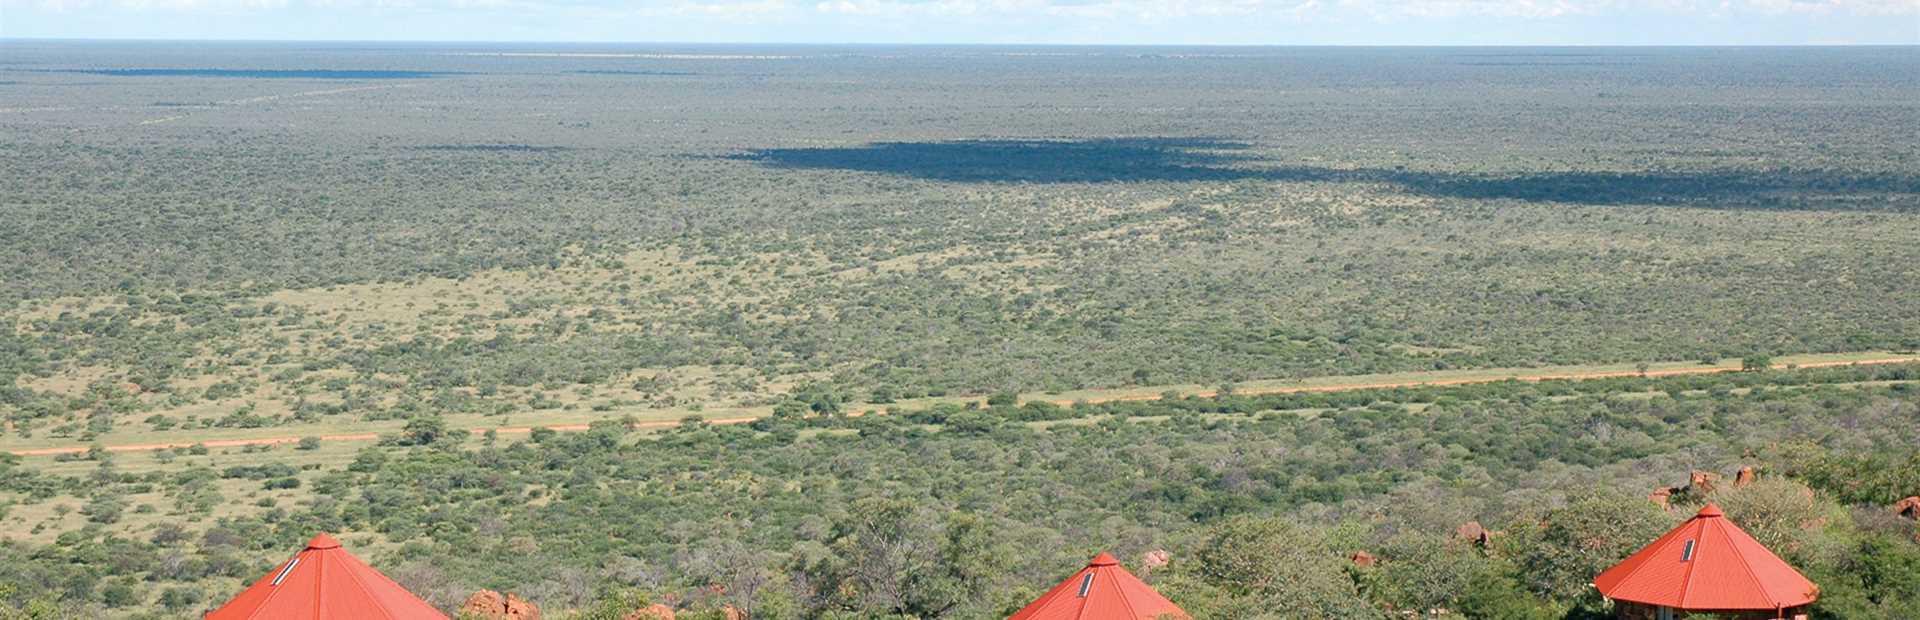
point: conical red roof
(324, 582)
(1101, 591)
(1707, 564)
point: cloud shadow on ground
(1115, 160)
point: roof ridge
(1692, 560)
(1126, 601)
(319, 581)
(1747, 567)
(381, 603)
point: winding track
(568, 428)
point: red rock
(655, 611)
(1701, 482)
(1744, 478)
(492, 605)
(1909, 507)
(1155, 559)
(1474, 533)
(1660, 496)
(1363, 559)
(484, 603)
(732, 613)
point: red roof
(1101, 591)
(324, 582)
(1707, 564)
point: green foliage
(894, 558)
(1419, 571)
(1880, 478)
(717, 260)
(962, 512)
(1782, 514)
(13, 606)
(1559, 552)
(1267, 568)
(427, 430)
(1875, 575)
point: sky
(1167, 22)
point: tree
(1561, 550)
(741, 571)
(896, 558)
(1420, 571)
(15, 607)
(1267, 568)
(425, 430)
(1757, 362)
(1782, 514)
(790, 409)
(1499, 595)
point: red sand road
(522, 430)
(1349, 387)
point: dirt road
(522, 430)
(1349, 387)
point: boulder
(1909, 507)
(1744, 478)
(1474, 533)
(492, 605)
(655, 611)
(484, 602)
(1700, 483)
(1156, 558)
(1363, 559)
(1660, 496)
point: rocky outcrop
(1909, 507)
(655, 611)
(492, 605)
(1660, 497)
(1744, 478)
(1474, 533)
(1700, 483)
(1363, 559)
(1157, 558)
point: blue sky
(1281, 22)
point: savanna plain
(834, 332)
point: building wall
(1624, 610)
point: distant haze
(1182, 22)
